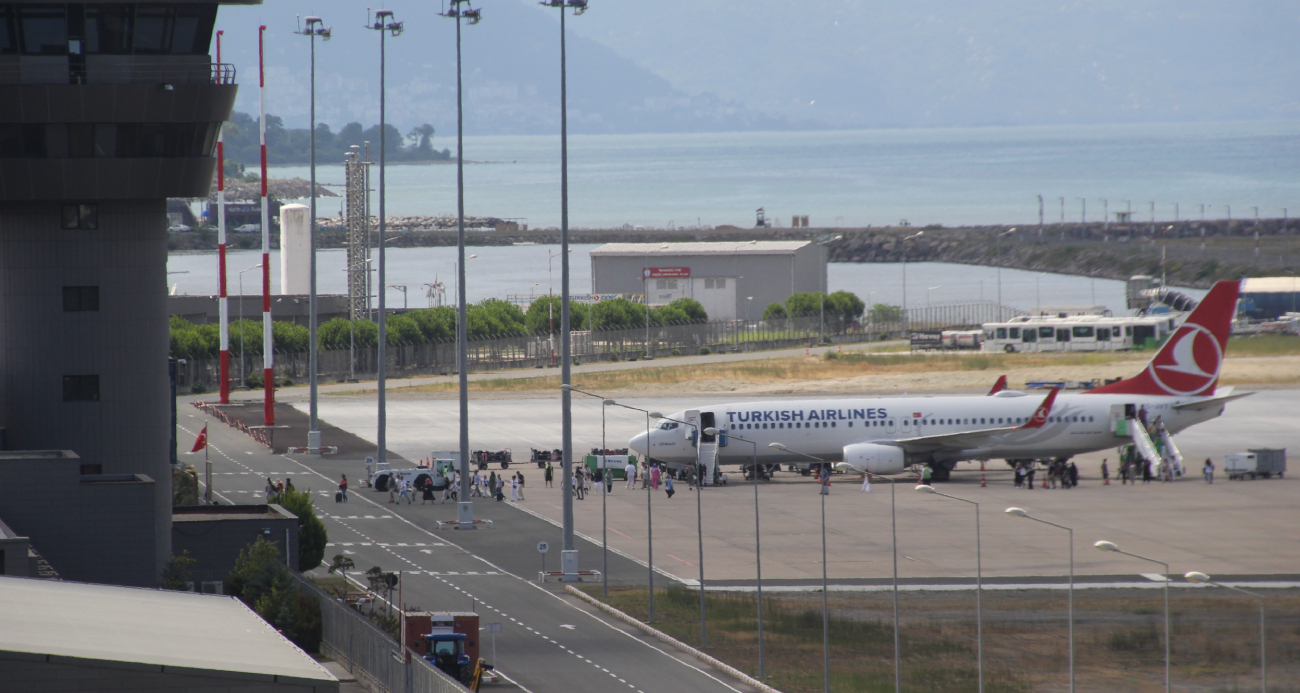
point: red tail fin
(1040, 414)
(999, 386)
(1189, 363)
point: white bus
(1078, 333)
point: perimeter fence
(370, 654)
(540, 350)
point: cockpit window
(668, 425)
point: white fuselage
(1078, 423)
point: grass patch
(937, 658)
(788, 369)
(1264, 345)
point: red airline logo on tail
(1188, 364)
(1040, 415)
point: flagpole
(207, 465)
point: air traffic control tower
(106, 110)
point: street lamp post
(1018, 512)
(315, 27)
(568, 389)
(918, 234)
(568, 555)
(826, 637)
(758, 544)
(979, 573)
(1203, 579)
(243, 375)
(893, 518)
(1111, 547)
(465, 507)
(385, 25)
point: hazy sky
(673, 65)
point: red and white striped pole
(268, 355)
(223, 302)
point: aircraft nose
(638, 444)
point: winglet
(999, 386)
(1040, 414)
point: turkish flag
(202, 441)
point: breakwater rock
(1189, 253)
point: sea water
(951, 176)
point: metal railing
(58, 70)
(369, 653)
(538, 350)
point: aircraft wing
(1211, 402)
(967, 440)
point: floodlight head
(777, 446)
(381, 14)
(710, 431)
(925, 489)
(474, 16)
(1106, 546)
(656, 415)
(1017, 512)
(609, 402)
(579, 6)
(1198, 578)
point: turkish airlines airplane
(885, 435)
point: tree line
(842, 309)
(293, 145)
(486, 319)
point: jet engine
(877, 459)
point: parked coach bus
(1078, 333)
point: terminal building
(106, 111)
(731, 280)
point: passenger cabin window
(1115, 332)
(1031, 335)
(1103, 335)
(1062, 335)
(1045, 332)
(1014, 332)
(1002, 333)
(1082, 331)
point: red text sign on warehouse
(666, 272)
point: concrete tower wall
(123, 344)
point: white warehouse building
(730, 279)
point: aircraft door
(693, 418)
(1119, 416)
(706, 421)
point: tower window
(80, 299)
(81, 388)
(81, 217)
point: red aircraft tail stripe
(1040, 414)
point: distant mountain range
(679, 66)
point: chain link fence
(373, 656)
(541, 350)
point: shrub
(677, 352)
(199, 387)
(705, 351)
(261, 580)
(311, 531)
(176, 576)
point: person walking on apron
(668, 486)
(866, 484)
(630, 474)
(343, 488)
(514, 488)
(548, 475)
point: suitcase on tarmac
(338, 496)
